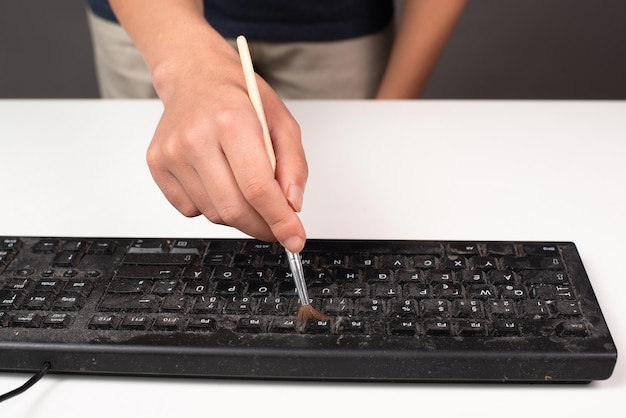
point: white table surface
(468, 170)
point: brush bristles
(307, 312)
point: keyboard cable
(29, 383)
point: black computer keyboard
(399, 310)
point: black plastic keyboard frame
(543, 357)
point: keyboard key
(239, 306)
(502, 277)
(405, 327)
(11, 244)
(149, 246)
(352, 326)
(535, 309)
(501, 309)
(567, 308)
(176, 303)
(437, 327)
(41, 301)
(532, 263)
(409, 276)
(283, 326)
(6, 256)
(481, 291)
(377, 276)
(354, 290)
(572, 329)
(196, 287)
(11, 299)
(216, 259)
(465, 248)
(323, 290)
(347, 275)
(57, 320)
(69, 302)
(251, 325)
(20, 285)
(104, 322)
(406, 308)
(438, 308)
(468, 309)
(494, 248)
(449, 291)
(227, 273)
(317, 326)
(82, 287)
(507, 328)
(337, 306)
(165, 287)
(102, 246)
(424, 262)
(369, 307)
(541, 249)
(229, 288)
(454, 263)
(395, 262)
(273, 306)
(259, 288)
(167, 323)
(439, 276)
(379, 290)
(27, 320)
(196, 273)
(202, 323)
(67, 259)
(551, 292)
(259, 247)
(471, 328)
(418, 291)
(483, 263)
(556, 277)
(514, 292)
(75, 245)
(46, 246)
(209, 305)
(473, 276)
(186, 246)
(4, 319)
(136, 323)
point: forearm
(423, 31)
(173, 37)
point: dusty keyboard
(399, 310)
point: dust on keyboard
(432, 300)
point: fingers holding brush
(291, 164)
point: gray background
(501, 49)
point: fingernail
(294, 244)
(295, 196)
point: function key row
(341, 326)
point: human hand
(208, 157)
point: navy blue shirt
(288, 20)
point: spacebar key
(129, 303)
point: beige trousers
(347, 69)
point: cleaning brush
(306, 311)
